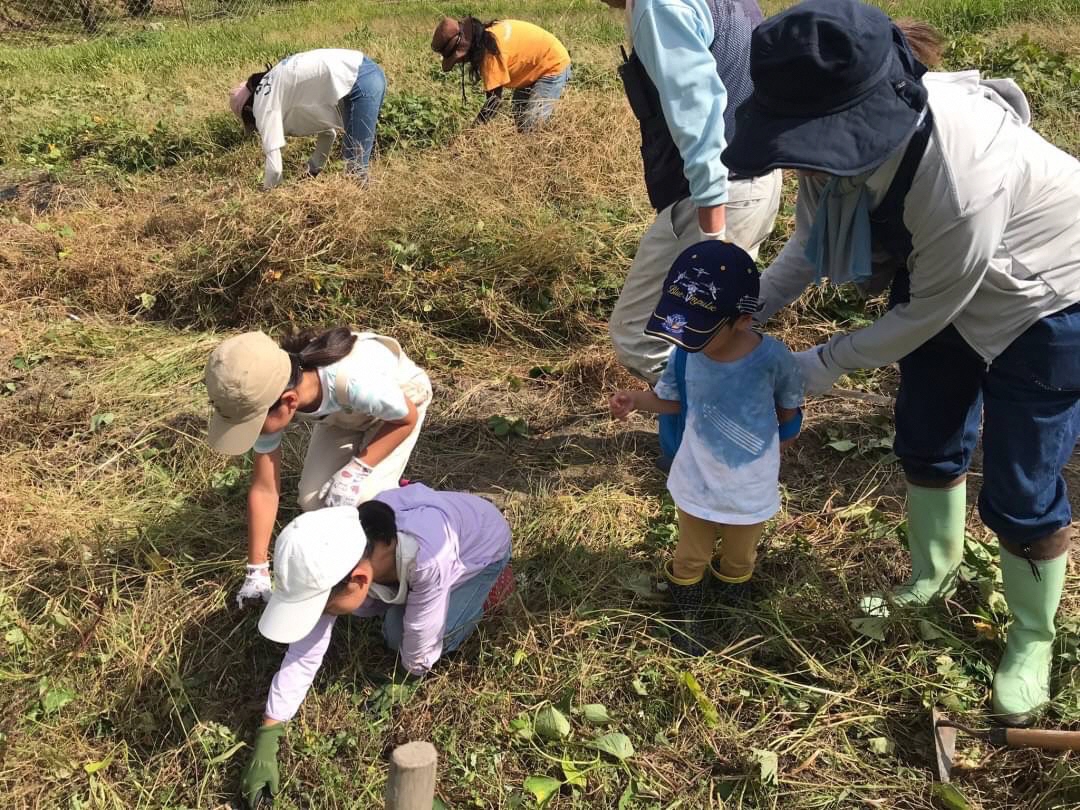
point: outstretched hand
(260, 781)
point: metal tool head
(944, 745)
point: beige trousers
(697, 539)
(330, 449)
(750, 213)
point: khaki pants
(750, 213)
(331, 448)
(697, 540)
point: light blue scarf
(839, 245)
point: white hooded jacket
(994, 215)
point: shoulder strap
(341, 381)
(893, 200)
(680, 375)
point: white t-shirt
(300, 95)
(728, 463)
(368, 381)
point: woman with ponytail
(368, 400)
(507, 53)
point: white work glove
(718, 236)
(256, 585)
(343, 489)
(817, 377)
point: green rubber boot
(935, 525)
(1022, 682)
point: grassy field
(132, 236)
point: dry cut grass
(129, 679)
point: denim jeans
(1029, 401)
(360, 114)
(462, 614)
(533, 105)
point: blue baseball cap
(709, 284)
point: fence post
(411, 785)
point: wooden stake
(411, 785)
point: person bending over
(507, 53)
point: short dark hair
(380, 526)
(379, 523)
(247, 112)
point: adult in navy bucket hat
(836, 90)
(935, 187)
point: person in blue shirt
(740, 393)
(689, 68)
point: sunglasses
(452, 45)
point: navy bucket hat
(836, 90)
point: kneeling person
(426, 561)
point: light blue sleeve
(672, 41)
(377, 395)
(667, 387)
(268, 442)
(789, 382)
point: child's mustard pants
(697, 538)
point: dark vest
(665, 180)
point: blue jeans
(360, 114)
(462, 614)
(1029, 399)
(533, 105)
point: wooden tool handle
(1041, 738)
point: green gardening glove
(260, 778)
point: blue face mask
(839, 245)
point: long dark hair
(309, 351)
(481, 43)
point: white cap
(311, 555)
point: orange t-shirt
(527, 53)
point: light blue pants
(360, 114)
(462, 615)
(533, 105)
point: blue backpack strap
(680, 374)
(671, 425)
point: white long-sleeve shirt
(994, 215)
(301, 95)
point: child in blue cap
(740, 393)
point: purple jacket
(458, 535)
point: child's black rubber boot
(689, 601)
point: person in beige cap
(507, 53)
(366, 396)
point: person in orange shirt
(507, 53)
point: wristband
(790, 429)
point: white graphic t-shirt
(728, 463)
(300, 95)
(367, 382)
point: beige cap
(245, 375)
